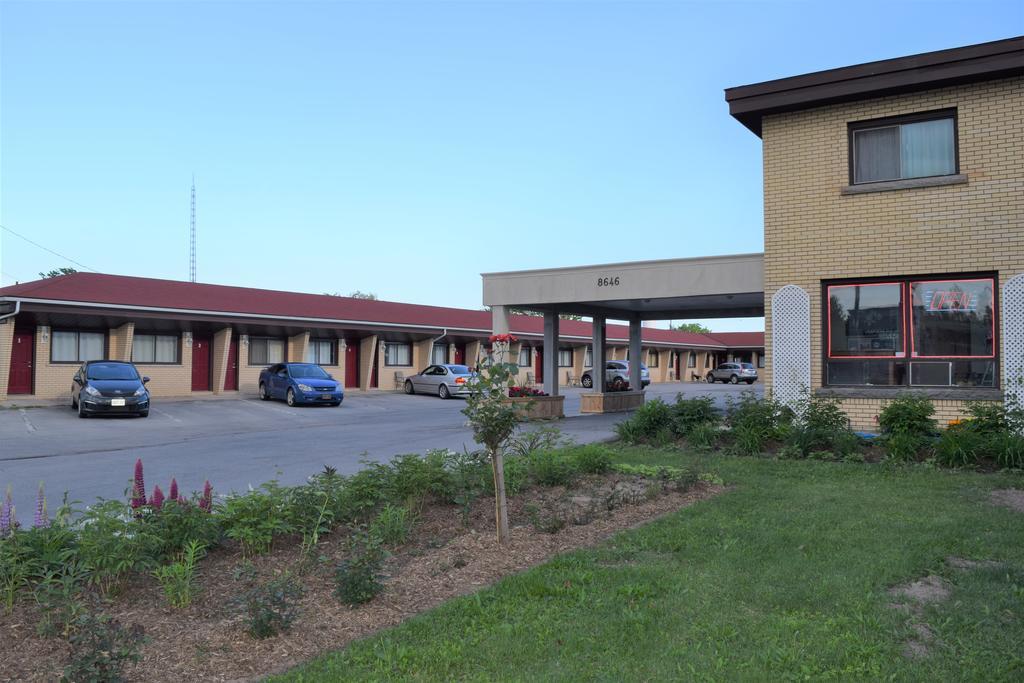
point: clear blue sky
(405, 148)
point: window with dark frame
(72, 346)
(266, 350)
(439, 354)
(588, 357)
(156, 349)
(691, 359)
(397, 354)
(565, 358)
(652, 359)
(900, 148)
(918, 331)
(524, 356)
(322, 352)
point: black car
(109, 387)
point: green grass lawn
(785, 576)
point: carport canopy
(707, 287)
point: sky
(405, 148)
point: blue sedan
(300, 383)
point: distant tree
(536, 314)
(692, 327)
(369, 296)
(58, 272)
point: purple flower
(40, 521)
(7, 514)
(206, 502)
(157, 500)
(174, 490)
(138, 487)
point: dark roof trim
(927, 71)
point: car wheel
(618, 384)
(750, 381)
(587, 382)
(710, 378)
(443, 392)
(264, 396)
(409, 388)
(734, 380)
(81, 411)
(290, 397)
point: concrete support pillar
(297, 347)
(221, 348)
(551, 353)
(121, 342)
(499, 320)
(474, 349)
(367, 360)
(422, 352)
(597, 354)
(635, 355)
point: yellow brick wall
(815, 233)
(52, 380)
(6, 350)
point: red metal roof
(739, 339)
(140, 292)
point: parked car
(734, 373)
(109, 387)
(616, 375)
(300, 383)
(444, 380)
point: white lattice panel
(791, 344)
(1013, 336)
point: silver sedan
(441, 380)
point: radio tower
(192, 241)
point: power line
(36, 244)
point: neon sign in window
(953, 318)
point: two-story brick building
(894, 226)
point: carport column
(635, 355)
(499, 320)
(597, 355)
(221, 348)
(551, 353)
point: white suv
(734, 373)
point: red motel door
(352, 366)
(20, 378)
(200, 363)
(539, 364)
(460, 354)
(231, 375)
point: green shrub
(592, 459)
(906, 446)
(256, 517)
(178, 578)
(542, 439)
(271, 607)
(909, 414)
(60, 597)
(111, 544)
(550, 468)
(822, 429)
(649, 423)
(468, 476)
(688, 414)
(703, 436)
(754, 422)
(415, 477)
(393, 525)
(365, 491)
(357, 579)
(100, 648)
(1010, 450)
(172, 526)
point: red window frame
(913, 347)
(903, 321)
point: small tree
(493, 419)
(58, 272)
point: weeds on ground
(358, 578)
(100, 648)
(271, 607)
(178, 578)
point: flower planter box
(539, 407)
(611, 402)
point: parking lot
(242, 441)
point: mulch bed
(208, 641)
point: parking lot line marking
(167, 415)
(29, 427)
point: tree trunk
(500, 503)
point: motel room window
(155, 348)
(77, 347)
(565, 358)
(524, 356)
(691, 359)
(321, 352)
(588, 357)
(925, 332)
(652, 359)
(397, 353)
(672, 359)
(265, 351)
(760, 360)
(919, 146)
(439, 354)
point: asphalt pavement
(237, 443)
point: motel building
(195, 339)
(894, 239)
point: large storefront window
(951, 339)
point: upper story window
(915, 146)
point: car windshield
(112, 371)
(313, 371)
(459, 369)
(747, 366)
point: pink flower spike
(174, 489)
(138, 486)
(40, 520)
(206, 502)
(157, 500)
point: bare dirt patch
(968, 565)
(1009, 498)
(915, 595)
(924, 591)
(208, 640)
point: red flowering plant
(524, 392)
(503, 339)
